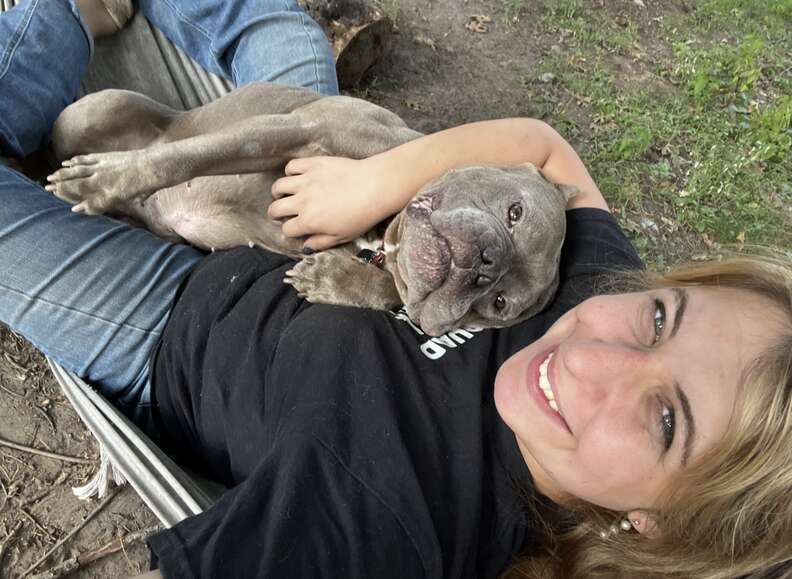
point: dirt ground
(438, 73)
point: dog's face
(480, 247)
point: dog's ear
(568, 191)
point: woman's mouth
(541, 388)
(544, 382)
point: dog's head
(480, 247)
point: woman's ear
(644, 523)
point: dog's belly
(218, 212)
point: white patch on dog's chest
(372, 244)
(369, 250)
(375, 244)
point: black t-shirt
(356, 445)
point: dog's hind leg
(110, 120)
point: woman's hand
(328, 200)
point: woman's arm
(331, 200)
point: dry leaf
(478, 23)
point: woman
(355, 445)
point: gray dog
(477, 247)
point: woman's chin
(506, 391)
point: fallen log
(359, 34)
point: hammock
(140, 58)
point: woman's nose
(601, 369)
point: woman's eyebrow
(680, 304)
(690, 424)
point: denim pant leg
(89, 291)
(44, 51)
(249, 40)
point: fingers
(283, 208)
(321, 242)
(287, 186)
(294, 224)
(294, 228)
(299, 166)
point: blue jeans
(89, 291)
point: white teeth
(543, 366)
(544, 383)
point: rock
(547, 77)
(650, 226)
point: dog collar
(371, 256)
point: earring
(624, 524)
(612, 530)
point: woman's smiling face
(644, 383)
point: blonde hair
(730, 513)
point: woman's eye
(659, 319)
(515, 213)
(667, 425)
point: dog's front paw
(342, 280)
(319, 278)
(99, 182)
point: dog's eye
(500, 302)
(515, 212)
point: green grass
(705, 143)
(513, 9)
(590, 27)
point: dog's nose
(490, 263)
(487, 256)
(478, 243)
